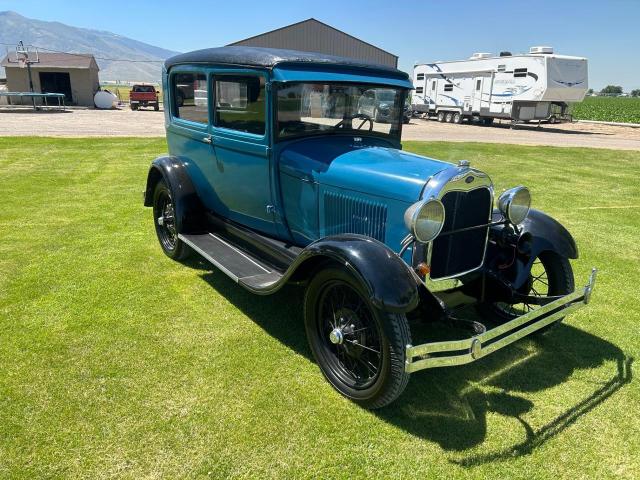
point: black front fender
(543, 233)
(187, 204)
(388, 279)
(548, 234)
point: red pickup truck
(144, 96)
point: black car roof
(271, 57)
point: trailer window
(420, 76)
(448, 87)
(478, 83)
(419, 90)
(520, 72)
(433, 85)
(502, 68)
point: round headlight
(425, 219)
(514, 204)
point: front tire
(359, 349)
(164, 220)
(551, 275)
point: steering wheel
(365, 118)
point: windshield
(319, 108)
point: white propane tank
(105, 100)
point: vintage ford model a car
(276, 174)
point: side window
(433, 85)
(419, 90)
(448, 87)
(520, 72)
(190, 97)
(240, 103)
(420, 76)
(478, 83)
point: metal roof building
(311, 35)
(75, 75)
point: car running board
(240, 266)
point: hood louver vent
(346, 214)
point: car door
(476, 100)
(241, 177)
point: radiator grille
(463, 251)
(347, 214)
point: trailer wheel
(457, 118)
(441, 117)
(449, 117)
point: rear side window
(419, 90)
(240, 103)
(190, 97)
(420, 76)
(520, 72)
(448, 87)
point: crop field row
(608, 109)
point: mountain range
(56, 36)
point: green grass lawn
(117, 362)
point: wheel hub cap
(336, 336)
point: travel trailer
(523, 87)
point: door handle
(208, 139)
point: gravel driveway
(147, 123)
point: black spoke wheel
(164, 219)
(551, 275)
(359, 349)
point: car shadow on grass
(450, 406)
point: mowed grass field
(116, 362)
(608, 109)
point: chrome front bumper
(460, 352)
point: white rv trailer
(534, 86)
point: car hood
(367, 165)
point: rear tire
(359, 349)
(449, 117)
(165, 223)
(441, 117)
(457, 118)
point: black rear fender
(188, 207)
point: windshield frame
(394, 134)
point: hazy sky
(606, 32)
